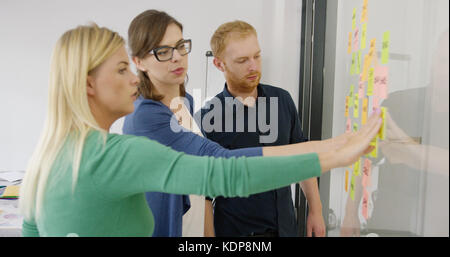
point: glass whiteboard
(393, 55)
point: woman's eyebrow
(124, 62)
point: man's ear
(137, 61)
(90, 86)
(219, 64)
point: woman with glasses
(163, 112)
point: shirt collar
(227, 93)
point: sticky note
(374, 143)
(346, 180)
(356, 107)
(361, 87)
(372, 50)
(357, 168)
(349, 50)
(11, 192)
(365, 111)
(348, 126)
(364, 36)
(355, 127)
(352, 188)
(365, 11)
(385, 47)
(370, 82)
(365, 204)
(382, 132)
(358, 63)
(347, 100)
(356, 40)
(351, 95)
(375, 103)
(381, 78)
(365, 68)
(367, 170)
(354, 19)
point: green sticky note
(385, 47)
(358, 63)
(354, 19)
(371, 82)
(364, 36)
(352, 91)
(356, 107)
(355, 127)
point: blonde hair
(226, 31)
(77, 53)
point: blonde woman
(83, 181)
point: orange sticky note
(365, 11)
(365, 111)
(346, 180)
(371, 82)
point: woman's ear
(138, 62)
(90, 83)
(219, 64)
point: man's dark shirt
(268, 211)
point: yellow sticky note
(364, 36)
(371, 81)
(358, 63)
(357, 169)
(355, 127)
(351, 95)
(347, 100)
(382, 132)
(356, 107)
(364, 111)
(352, 188)
(354, 19)
(349, 50)
(385, 47)
(374, 143)
(11, 192)
(353, 68)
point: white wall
(29, 30)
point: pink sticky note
(381, 81)
(348, 126)
(361, 87)
(356, 40)
(375, 102)
(365, 204)
(367, 170)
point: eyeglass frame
(153, 51)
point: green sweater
(109, 197)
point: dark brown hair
(144, 34)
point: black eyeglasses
(165, 53)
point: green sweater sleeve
(129, 165)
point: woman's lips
(178, 71)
